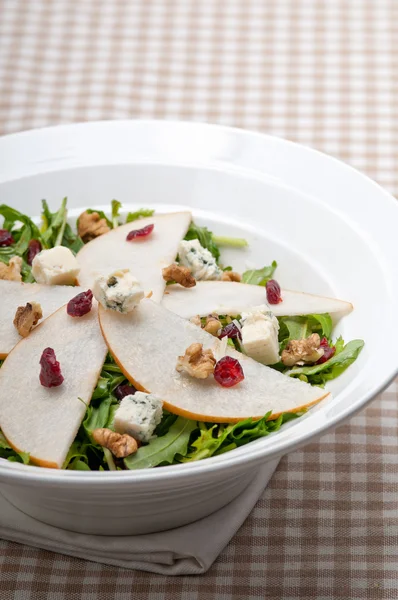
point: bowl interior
(319, 247)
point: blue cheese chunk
(119, 291)
(138, 415)
(199, 260)
(260, 330)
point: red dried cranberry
(231, 331)
(328, 351)
(228, 371)
(124, 389)
(6, 238)
(34, 248)
(139, 233)
(50, 374)
(80, 305)
(273, 292)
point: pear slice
(145, 257)
(44, 421)
(14, 294)
(146, 344)
(231, 298)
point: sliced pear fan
(231, 298)
(145, 257)
(146, 344)
(44, 421)
(14, 294)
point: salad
(162, 355)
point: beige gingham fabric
(322, 72)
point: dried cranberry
(34, 248)
(50, 374)
(228, 371)
(124, 389)
(232, 331)
(328, 351)
(273, 292)
(80, 305)
(6, 238)
(139, 233)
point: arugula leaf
(116, 206)
(231, 242)
(102, 388)
(249, 430)
(111, 416)
(332, 368)
(100, 413)
(55, 230)
(339, 345)
(10, 454)
(76, 451)
(163, 449)
(139, 214)
(22, 235)
(110, 460)
(217, 439)
(12, 216)
(297, 328)
(71, 240)
(53, 224)
(97, 416)
(259, 276)
(208, 442)
(168, 419)
(205, 238)
(301, 327)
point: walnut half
(230, 276)
(196, 320)
(12, 271)
(179, 274)
(197, 362)
(121, 445)
(213, 325)
(306, 350)
(27, 317)
(91, 225)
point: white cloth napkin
(187, 550)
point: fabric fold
(187, 550)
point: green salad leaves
(163, 450)
(259, 276)
(205, 237)
(99, 413)
(332, 368)
(213, 242)
(139, 214)
(55, 230)
(177, 440)
(296, 328)
(9, 454)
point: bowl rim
(32, 149)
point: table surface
(322, 72)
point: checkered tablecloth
(322, 72)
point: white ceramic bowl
(331, 230)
